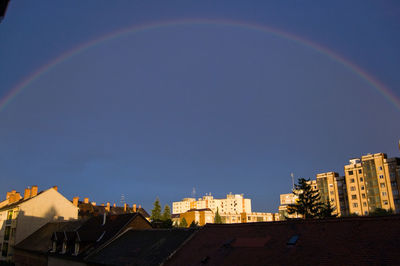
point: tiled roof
(40, 241)
(141, 247)
(346, 241)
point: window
(352, 188)
(64, 247)
(364, 204)
(330, 185)
(380, 168)
(9, 215)
(332, 193)
(359, 171)
(393, 183)
(361, 179)
(383, 185)
(350, 172)
(7, 232)
(384, 193)
(248, 218)
(385, 202)
(54, 247)
(355, 205)
(363, 195)
(362, 187)
(353, 197)
(381, 176)
(4, 250)
(352, 180)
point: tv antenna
(292, 175)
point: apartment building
(373, 182)
(21, 216)
(332, 189)
(233, 203)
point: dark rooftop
(141, 247)
(345, 241)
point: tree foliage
(217, 218)
(156, 211)
(167, 213)
(381, 212)
(183, 223)
(308, 204)
(193, 224)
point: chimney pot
(86, 200)
(125, 207)
(27, 193)
(134, 207)
(34, 191)
(108, 207)
(93, 203)
(55, 188)
(75, 201)
(114, 205)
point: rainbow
(20, 86)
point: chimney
(27, 193)
(102, 204)
(114, 205)
(86, 200)
(125, 207)
(14, 197)
(93, 203)
(108, 207)
(8, 195)
(140, 206)
(34, 191)
(55, 188)
(75, 201)
(134, 207)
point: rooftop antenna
(122, 200)
(292, 175)
(193, 192)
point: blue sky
(216, 107)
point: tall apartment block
(332, 189)
(373, 182)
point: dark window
(4, 250)
(352, 180)
(350, 172)
(359, 171)
(363, 195)
(7, 231)
(361, 179)
(353, 196)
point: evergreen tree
(167, 213)
(217, 218)
(308, 203)
(326, 211)
(193, 224)
(156, 211)
(183, 223)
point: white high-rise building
(232, 204)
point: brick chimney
(134, 207)
(75, 201)
(140, 206)
(125, 207)
(86, 200)
(14, 197)
(108, 207)
(34, 191)
(93, 203)
(55, 188)
(114, 205)
(27, 193)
